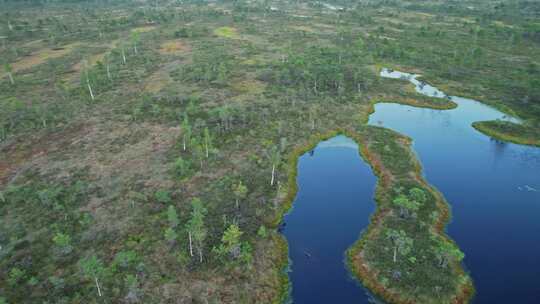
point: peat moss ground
(83, 178)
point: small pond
(332, 207)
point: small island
(405, 255)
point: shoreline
(354, 261)
(481, 126)
(485, 128)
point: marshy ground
(117, 118)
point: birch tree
(186, 131)
(402, 244)
(135, 37)
(275, 157)
(9, 72)
(207, 141)
(92, 268)
(123, 52)
(3, 38)
(198, 150)
(108, 67)
(87, 77)
(196, 230)
(240, 192)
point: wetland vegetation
(149, 149)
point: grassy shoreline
(504, 131)
(292, 189)
(510, 132)
(520, 134)
(355, 260)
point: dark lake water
(332, 207)
(493, 188)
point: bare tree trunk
(200, 255)
(237, 204)
(97, 285)
(123, 55)
(273, 173)
(206, 147)
(90, 89)
(11, 78)
(184, 140)
(190, 245)
(395, 254)
(109, 71)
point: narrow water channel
(493, 188)
(332, 207)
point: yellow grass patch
(392, 21)
(42, 56)
(157, 81)
(33, 42)
(386, 37)
(324, 25)
(92, 60)
(303, 29)
(113, 44)
(174, 47)
(144, 29)
(502, 24)
(250, 61)
(249, 86)
(464, 19)
(226, 32)
(75, 70)
(426, 15)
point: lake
(492, 187)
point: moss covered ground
(169, 110)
